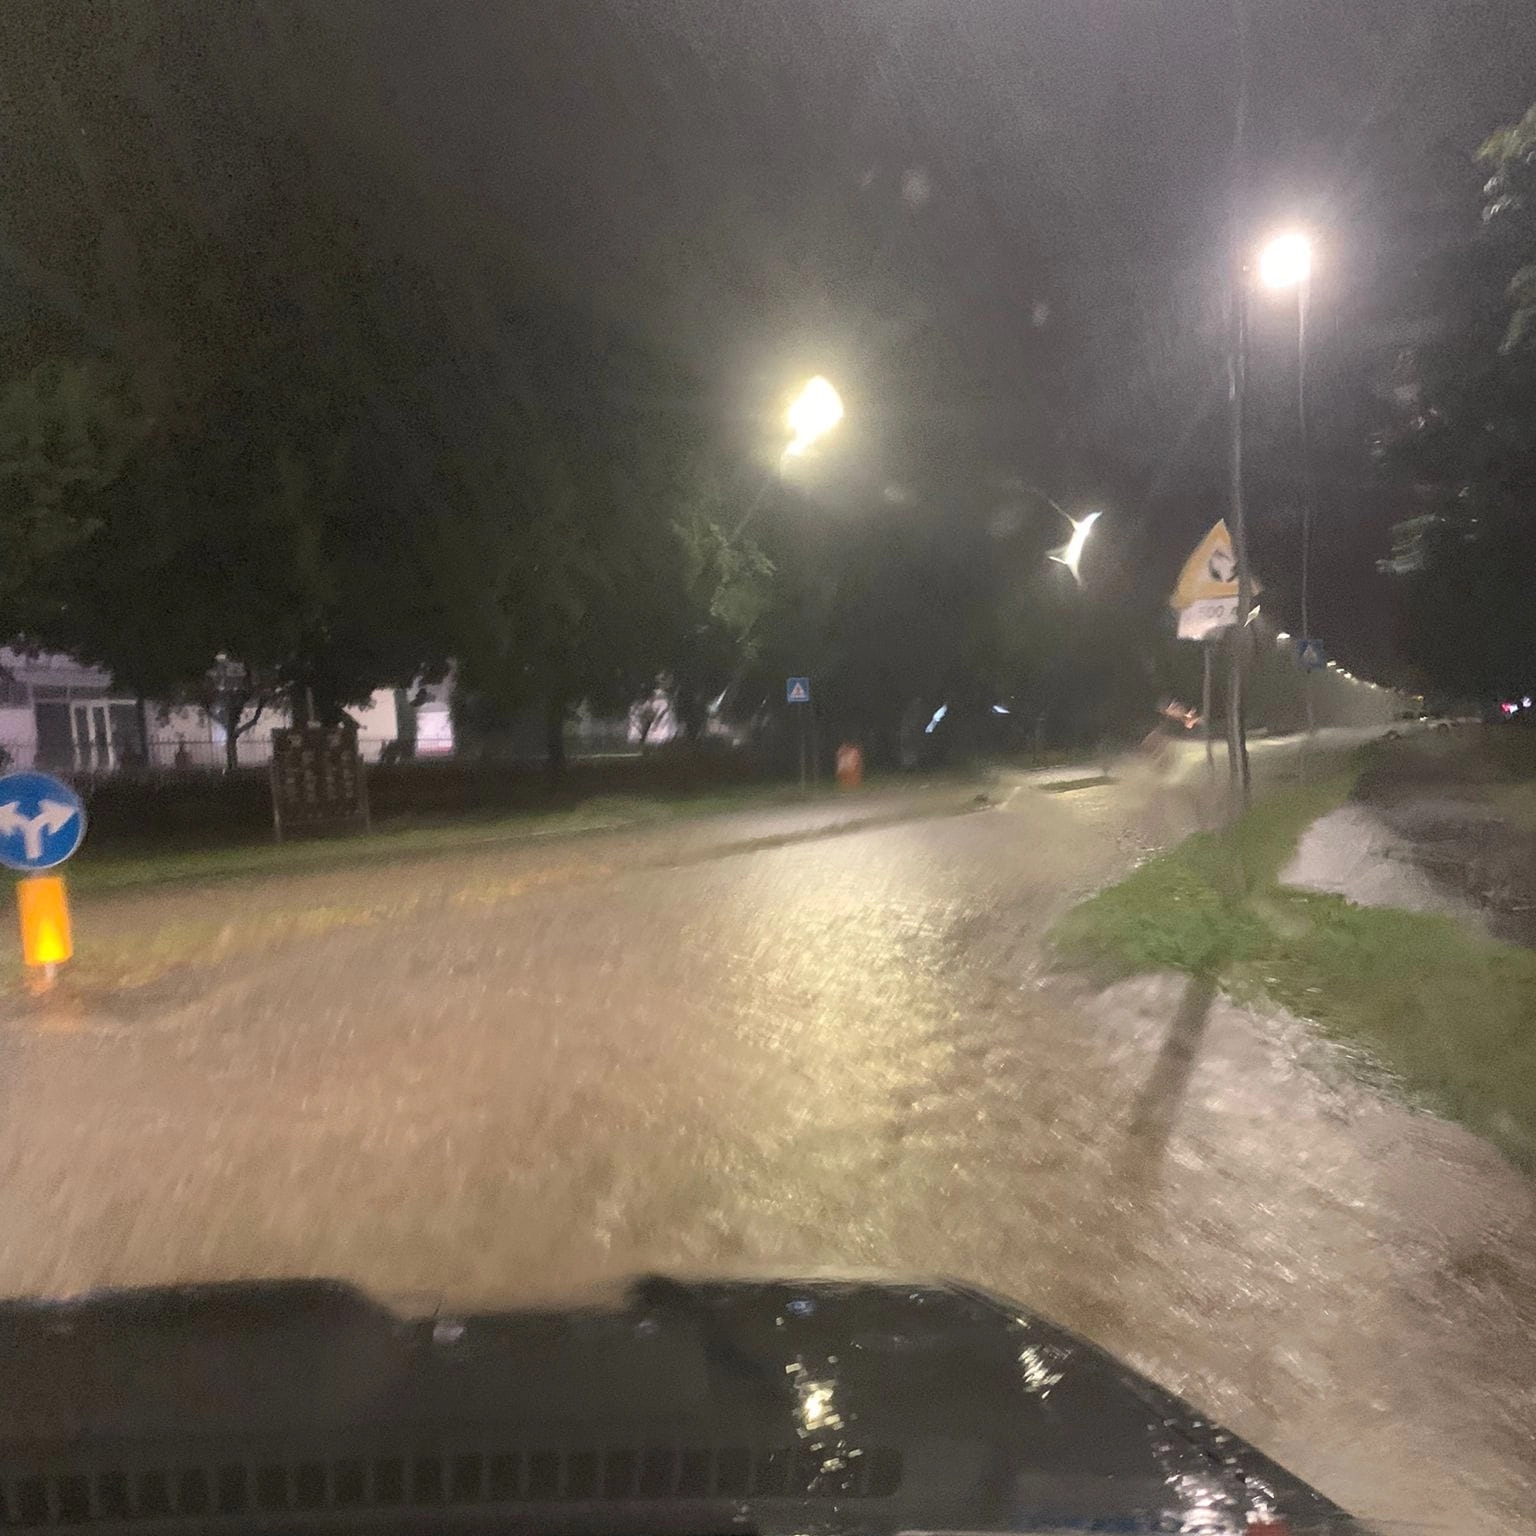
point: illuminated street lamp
(815, 411)
(1286, 261)
(1071, 553)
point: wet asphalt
(771, 1042)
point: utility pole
(1205, 702)
(1237, 349)
(1237, 367)
(1309, 498)
(1303, 298)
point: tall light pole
(816, 409)
(1286, 262)
(1069, 554)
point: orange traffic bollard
(850, 765)
(44, 906)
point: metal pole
(1303, 296)
(1205, 706)
(757, 502)
(1308, 497)
(800, 711)
(1237, 367)
(1237, 736)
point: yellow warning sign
(1210, 572)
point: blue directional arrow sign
(797, 690)
(42, 821)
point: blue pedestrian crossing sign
(42, 821)
(1310, 653)
(797, 690)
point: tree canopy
(1466, 434)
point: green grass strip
(1446, 1014)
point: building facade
(62, 716)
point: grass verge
(1447, 1014)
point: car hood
(773, 1406)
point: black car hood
(775, 1407)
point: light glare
(815, 411)
(1071, 553)
(1286, 261)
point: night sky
(996, 224)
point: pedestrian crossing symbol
(797, 690)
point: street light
(815, 411)
(1071, 553)
(811, 415)
(1286, 261)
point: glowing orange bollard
(850, 766)
(44, 907)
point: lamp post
(814, 412)
(1286, 262)
(1069, 554)
(816, 409)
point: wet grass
(1449, 1013)
(1446, 1015)
(1192, 908)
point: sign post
(42, 823)
(1205, 704)
(1310, 654)
(1206, 599)
(797, 690)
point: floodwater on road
(511, 1075)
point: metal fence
(161, 754)
(202, 754)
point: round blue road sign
(42, 821)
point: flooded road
(506, 1075)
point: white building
(56, 713)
